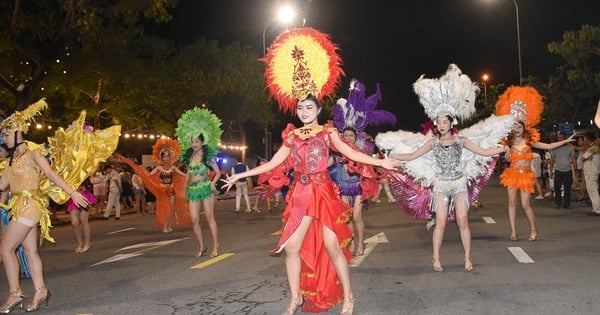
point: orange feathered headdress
(302, 62)
(166, 145)
(524, 102)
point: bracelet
(72, 192)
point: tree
(38, 35)
(575, 87)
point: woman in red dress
(315, 234)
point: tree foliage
(36, 35)
(574, 89)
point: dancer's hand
(390, 164)
(229, 181)
(79, 199)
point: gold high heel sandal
(215, 251)
(533, 236)
(437, 267)
(294, 306)
(202, 252)
(348, 310)
(468, 265)
(513, 236)
(35, 305)
(7, 308)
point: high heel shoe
(468, 264)
(7, 308)
(294, 306)
(533, 236)
(35, 305)
(437, 265)
(359, 251)
(201, 252)
(215, 251)
(348, 309)
(513, 236)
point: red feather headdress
(301, 62)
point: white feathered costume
(452, 94)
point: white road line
(489, 220)
(370, 245)
(521, 255)
(119, 231)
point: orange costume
(525, 103)
(519, 174)
(165, 184)
(314, 194)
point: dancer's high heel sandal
(533, 236)
(201, 252)
(294, 306)
(513, 236)
(468, 265)
(348, 310)
(7, 308)
(215, 251)
(35, 305)
(437, 266)
(359, 250)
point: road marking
(520, 255)
(488, 220)
(143, 247)
(370, 245)
(152, 244)
(212, 261)
(117, 258)
(119, 231)
(276, 233)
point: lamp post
(518, 42)
(285, 15)
(485, 78)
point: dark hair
(453, 129)
(187, 156)
(312, 98)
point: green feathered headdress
(195, 122)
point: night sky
(394, 42)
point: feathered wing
(486, 134)
(76, 154)
(421, 169)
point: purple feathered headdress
(358, 111)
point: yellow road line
(212, 261)
(276, 233)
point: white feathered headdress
(452, 94)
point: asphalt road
(133, 268)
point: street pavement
(133, 268)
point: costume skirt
(87, 195)
(316, 195)
(522, 180)
(198, 190)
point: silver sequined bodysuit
(449, 168)
(448, 165)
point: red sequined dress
(314, 194)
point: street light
(485, 78)
(518, 42)
(284, 16)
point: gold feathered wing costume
(75, 154)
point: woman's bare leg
(441, 213)
(12, 238)
(512, 212)
(209, 213)
(293, 260)
(195, 218)
(76, 223)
